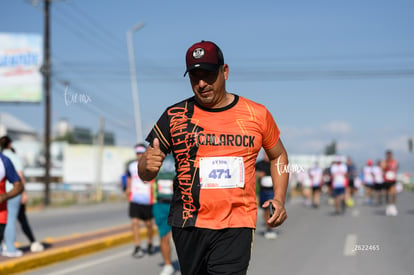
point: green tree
(68, 137)
(330, 149)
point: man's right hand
(151, 161)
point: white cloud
(305, 146)
(294, 132)
(397, 144)
(349, 146)
(313, 140)
(337, 127)
(331, 128)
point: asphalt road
(311, 241)
(75, 219)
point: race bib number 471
(221, 172)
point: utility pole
(134, 85)
(46, 72)
(99, 159)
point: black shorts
(388, 185)
(2, 228)
(140, 211)
(205, 251)
(378, 186)
(316, 188)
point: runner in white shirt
(378, 181)
(339, 182)
(316, 177)
(368, 180)
(305, 183)
(141, 199)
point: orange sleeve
(271, 132)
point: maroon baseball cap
(205, 55)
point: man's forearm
(280, 177)
(17, 189)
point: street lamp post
(134, 84)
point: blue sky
(327, 70)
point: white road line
(89, 264)
(350, 243)
(355, 213)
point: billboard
(21, 57)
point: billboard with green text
(21, 57)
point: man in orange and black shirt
(215, 137)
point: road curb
(54, 255)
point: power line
(110, 107)
(77, 73)
(80, 26)
(85, 37)
(310, 71)
(98, 26)
(79, 32)
(98, 112)
(92, 108)
(264, 75)
(334, 74)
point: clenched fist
(151, 161)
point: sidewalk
(69, 247)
